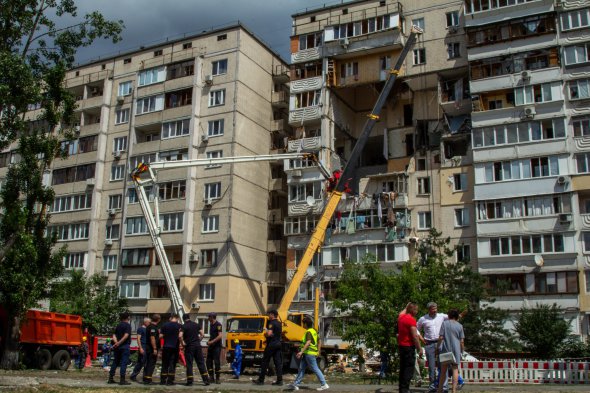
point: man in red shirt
(408, 343)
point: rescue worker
(171, 333)
(141, 345)
(308, 356)
(82, 353)
(214, 348)
(192, 334)
(273, 349)
(121, 347)
(236, 365)
(151, 349)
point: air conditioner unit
(208, 202)
(530, 112)
(453, 29)
(117, 154)
(209, 79)
(563, 180)
(120, 99)
(526, 74)
(565, 218)
(297, 173)
(90, 182)
(204, 138)
(77, 130)
(108, 242)
(195, 305)
(344, 42)
(112, 212)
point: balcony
(90, 102)
(509, 81)
(305, 144)
(305, 55)
(585, 221)
(280, 99)
(309, 274)
(517, 188)
(582, 143)
(305, 115)
(487, 11)
(278, 125)
(276, 246)
(302, 208)
(280, 72)
(308, 84)
(368, 43)
(521, 225)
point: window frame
(219, 67)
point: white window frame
(209, 258)
(134, 289)
(214, 154)
(453, 50)
(151, 76)
(113, 232)
(460, 252)
(67, 203)
(122, 116)
(576, 54)
(149, 104)
(423, 186)
(172, 222)
(461, 217)
(210, 224)
(216, 98)
(419, 56)
(75, 260)
(576, 19)
(132, 194)
(175, 129)
(452, 18)
(120, 144)
(460, 182)
(215, 127)
(125, 88)
(212, 191)
(117, 172)
(207, 292)
(68, 232)
(424, 220)
(419, 22)
(137, 256)
(219, 67)
(115, 201)
(135, 226)
(173, 155)
(579, 89)
(110, 262)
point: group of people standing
(168, 340)
(441, 334)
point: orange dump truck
(46, 337)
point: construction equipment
(249, 329)
(152, 218)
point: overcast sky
(152, 21)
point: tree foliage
(98, 304)
(370, 295)
(542, 330)
(34, 57)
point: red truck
(46, 337)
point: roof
(327, 6)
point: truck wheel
(322, 363)
(44, 359)
(61, 360)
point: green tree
(542, 330)
(91, 297)
(371, 295)
(485, 331)
(34, 57)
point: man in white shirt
(430, 325)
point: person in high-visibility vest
(307, 356)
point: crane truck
(248, 329)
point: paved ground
(94, 381)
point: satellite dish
(310, 200)
(539, 260)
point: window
(136, 226)
(581, 126)
(212, 191)
(158, 52)
(120, 144)
(309, 41)
(219, 67)
(418, 22)
(535, 244)
(460, 182)
(71, 202)
(453, 50)
(582, 162)
(151, 76)
(180, 70)
(575, 19)
(172, 222)
(174, 155)
(424, 220)
(187, 45)
(209, 258)
(206, 291)
(109, 263)
(210, 224)
(300, 192)
(349, 69)
(134, 289)
(419, 56)
(541, 205)
(214, 154)
(74, 260)
(117, 172)
(179, 98)
(144, 158)
(115, 201)
(453, 18)
(579, 89)
(215, 127)
(150, 104)
(423, 185)
(113, 232)
(132, 194)
(122, 116)
(307, 98)
(78, 231)
(517, 169)
(461, 217)
(217, 97)
(463, 253)
(576, 54)
(172, 190)
(222, 37)
(72, 174)
(174, 129)
(519, 132)
(136, 257)
(125, 88)
(125, 61)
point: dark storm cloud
(152, 21)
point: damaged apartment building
(484, 139)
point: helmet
(84, 338)
(236, 341)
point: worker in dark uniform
(141, 345)
(171, 334)
(192, 333)
(273, 349)
(214, 348)
(121, 347)
(152, 347)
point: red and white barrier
(526, 372)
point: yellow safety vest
(313, 346)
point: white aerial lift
(152, 217)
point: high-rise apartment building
(215, 94)
(485, 140)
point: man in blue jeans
(307, 356)
(121, 345)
